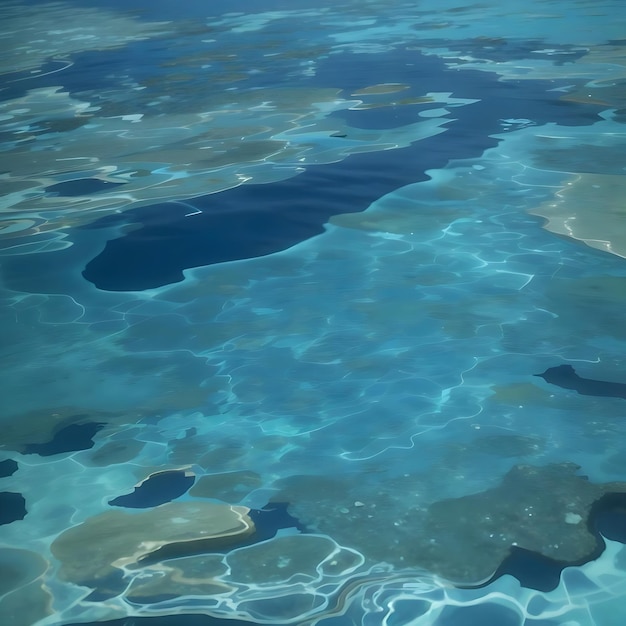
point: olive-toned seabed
(284, 287)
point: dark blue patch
(246, 222)
(12, 507)
(565, 376)
(607, 518)
(533, 570)
(256, 220)
(81, 187)
(157, 489)
(272, 518)
(8, 467)
(69, 439)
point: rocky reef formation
(545, 510)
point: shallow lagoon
(278, 281)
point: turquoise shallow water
(402, 215)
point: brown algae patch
(379, 104)
(380, 89)
(119, 539)
(591, 209)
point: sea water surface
(313, 312)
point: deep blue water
(157, 489)
(315, 254)
(252, 221)
(68, 439)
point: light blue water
(442, 189)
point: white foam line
(69, 64)
(529, 277)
